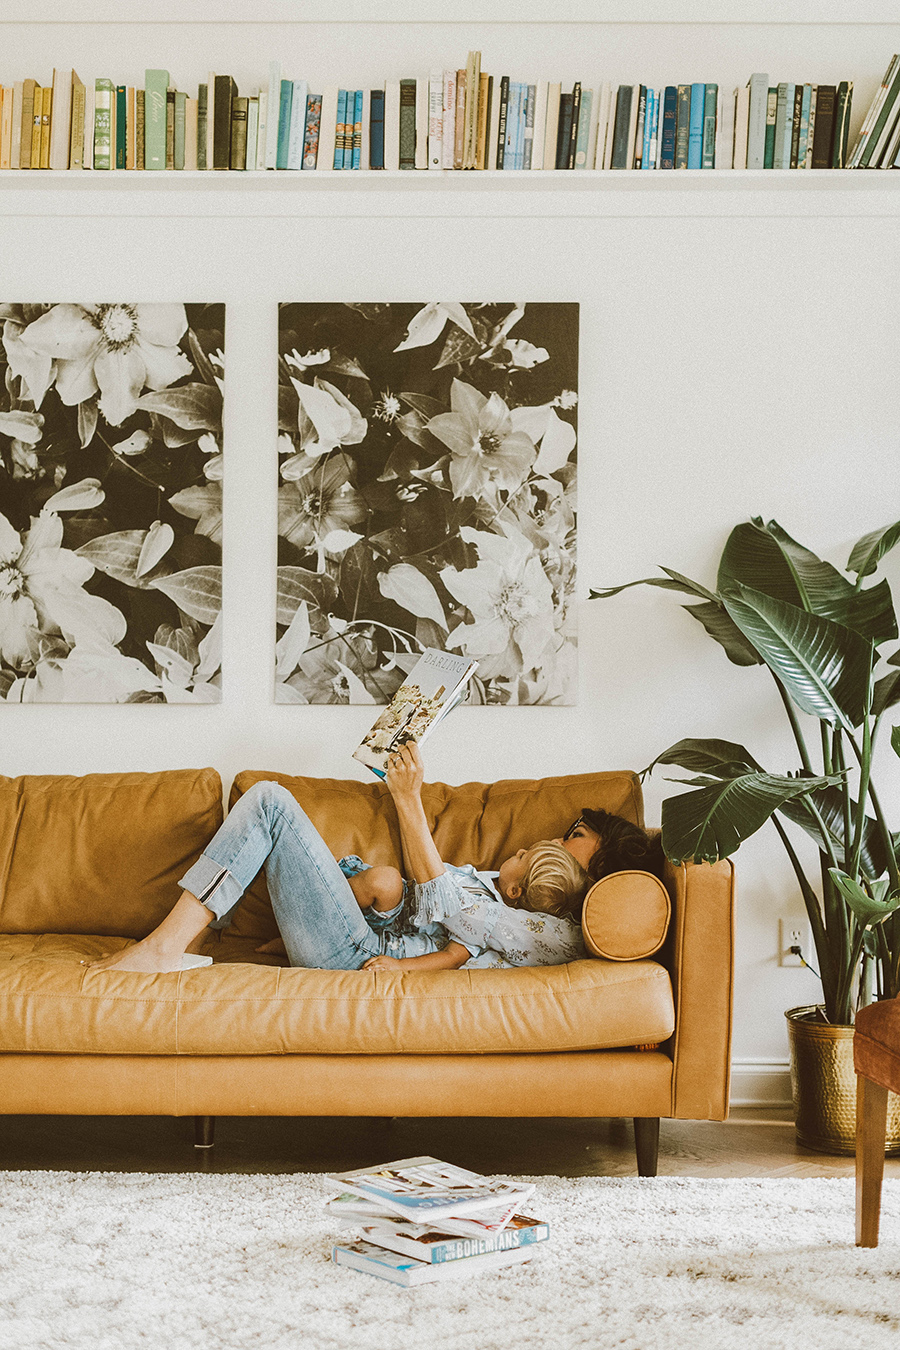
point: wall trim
(760, 1082)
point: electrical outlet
(793, 931)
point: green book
(682, 126)
(121, 125)
(104, 92)
(407, 124)
(708, 149)
(179, 129)
(156, 83)
(771, 109)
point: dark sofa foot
(646, 1144)
(204, 1130)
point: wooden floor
(752, 1143)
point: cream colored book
(46, 118)
(725, 131)
(421, 124)
(552, 124)
(741, 126)
(590, 158)
(16, 143)
(327, 129)
(391, 125)
(473, 94)
(34, 154)
(76, 134)
(60, 124)
(190, 133)
(6, 104)
(90, 96)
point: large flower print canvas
(111, 502)
(426, 498)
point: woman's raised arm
(405, 773)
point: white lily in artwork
(326, 419)
(41, 593)
(119, 350)
(427, 326)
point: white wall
(738, 357)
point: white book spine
(252, 132)
(756, 121)
(741, 122)
(327, 128)
(87, 161)
(552, 124)
(600, 136)
(392, 125)
(272, 109)
(422, 93)
(435, 120)
(6, 110)
(298, 124)
(725, 131)
(448, 118)
(262, 128)
(593, 129)
(61, 123)
(540, 125)
(15, 152)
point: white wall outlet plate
(793, 931)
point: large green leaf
(829, 805)
(714, 821)
(868, 909)
(722, 759)
(720, 626)
(767, 559)
(825, 667)
(868, 551)
(886, 693)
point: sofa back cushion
(103, 853)
(480, 823)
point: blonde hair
(555, 882)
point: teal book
(708, 159)
(682, 126)
(284, 123)
(340, 131)
(695, 126)
(104, 93)
(771, 111)
(121, 125)
(357, 130)
(156, 84)
(179, 129)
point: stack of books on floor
(420, 1219)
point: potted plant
(825, 639)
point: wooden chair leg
(646, 1144)
(204, 1130)
(871, 1124)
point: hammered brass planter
(823, 1083)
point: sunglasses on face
(573, 827)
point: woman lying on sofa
(343, 915)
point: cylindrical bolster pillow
(626, 916)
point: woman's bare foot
(146, 956)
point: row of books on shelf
(454, 119)
(422, 1220)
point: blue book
(339, 129)
(648, 130)
(522, 91)
(358, 134)
(284, 124)
(509, 156)
(667, 127)
(297, 132)
(528, 126)
(376, 129)
(695, 131)
(804, 126)
(708, 160)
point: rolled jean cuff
(214, 886)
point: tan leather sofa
(89, 864)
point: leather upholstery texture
(626, 916)
(876, 1043)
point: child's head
(545, 878)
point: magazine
(354, 1209)
(426, 1188)
(409, 1272)
(426, 1242)
(434, 686)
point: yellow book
(129, 133)
(6, 126)
(46, 115)
(35, 157)
(484, 99)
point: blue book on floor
(695, 132)
(284, 124)
(667, 127)
(376, 130)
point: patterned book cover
(299, 95)
(311, 138)
(811, 130)
(805, 101)
(434, 686)
(156, 84)
(639, 128)
(340, 129)
(103, 95)
(407, 124)
(46, 115)
(795, 124)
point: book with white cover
(551, 124)
(61, 121)
(725, 131)
(434, 686)
(407, 1271)
(327, 129)
(427, 1242)
(426, 1188)
(436, 120)
(741, 121)
(273, 103)
(355, 1209)
(540, 125)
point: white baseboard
(760, 1082)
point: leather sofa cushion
(51, 1004)
(480, 823)
(876, 1043)
(626, 916)
(102, 853)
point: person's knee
(385, 886)
(267, 793)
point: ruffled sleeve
(436, 900)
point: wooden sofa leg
(204, 1130)
(646, 1144)
(871, 1123)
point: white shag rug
(107, 1261)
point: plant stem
(795, 726)
(820, 935)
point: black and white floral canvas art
(426, 497)
(111, 502)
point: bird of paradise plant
(824, 638)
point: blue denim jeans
(316, 911)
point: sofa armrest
(702, 968)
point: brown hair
(623, 846)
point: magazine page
(430, 1187)
(435, 684)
